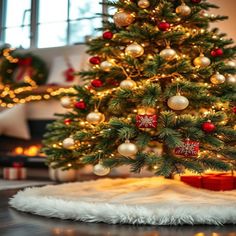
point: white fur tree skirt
(152, 201)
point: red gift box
(146, 121)
(194, 181)
(17, 172)
(218, 182)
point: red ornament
(234, 110)
(67, 121)
(107, 35)
(208, 127)
(163, 26)
(217, 52)
(196, 1)
(97, 83)
(188, 149)
(69, 74)
(146, 121)
(80, 105)
(95, 60)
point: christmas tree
(160, 94)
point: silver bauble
(122, 18)
(230, 63)
(183, 10)
(168, 54)
(101, 170)
(178, 102)
(127, 84)
(127, 149)
(143, 4)
(68, 143)
(231, 79)
(202, 61)
(66, 102)
(95, 117)
(134, 50)
(217, 78)
(106, 66)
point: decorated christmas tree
(160, 94)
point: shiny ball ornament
(95, 117)
(97, 83)
(107, 35)
(183, 10)
(67, 121)
(178, 102)
(217, 79)
(122, 18)
(196, 1)
(127, 84)
(231, 79)
(134, 50)
(208, 127)
(217, 52)
(143, 4)
(230, 63)
(127, 149)
(202, 61)
(68, 143)
(234, 110)
(66, 102)
(101, 170)
(163, 26)
(106, 66)
(168, 54)
(95, 60)
(81, 105)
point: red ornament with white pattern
(189, 148)
(146, 121)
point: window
(48, 23)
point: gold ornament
(217, 78)
(127, 149)
(146, 111)
(127, 84)
(231, 79)
(178, 102)
(66, 102)
(143, 4)
(68, 143)
(122, 18)
(134, 50)
(106, 66)
(202, 61)
(101, 170)
(168, 54)
(230, 63)
(95, 117)
(183, 10)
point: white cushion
(13, 122)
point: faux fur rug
(151, 201)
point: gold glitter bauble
(134, 50)
(127, 84)
(202, 61)
(122, 18)
(183, 10)
(95, 117)
(178, 102)
(127, 149)
(101, 170)
(217, 78)
(143, 4)
(168, 54)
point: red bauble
(163, 26)
(95, 60)
(80, 105)
(217, 52)
(97, 83)
(107, 35)
(188, 149)
(146, 121)
(208, 127)
(67, 121)
(196, 1)
(234, 110)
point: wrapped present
(218, 182)
(194, 180)
(146, 121)
(189, 148)
(16, 172)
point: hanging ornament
(106, 66)
(127, 84)
(183, 10)
(234, 110)
(97, 83)
(189, 148)
(81, 105)
(231, 79)
(230, 63)
(163, 26)
(122, 18)
(107, 35)
(66, 102)
(101, 170)
(178, 102)
(134, 50)
(69, 74)
(196, 1)
(127, 149)
(208, 126)
(217, 78)
(67, 121)
(95, 60)
(202, 61)
(146, 121)
(68, 143)
(168, 54)
(143, 4)
(217, 52)
(95, 117)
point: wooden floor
(14, 223)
